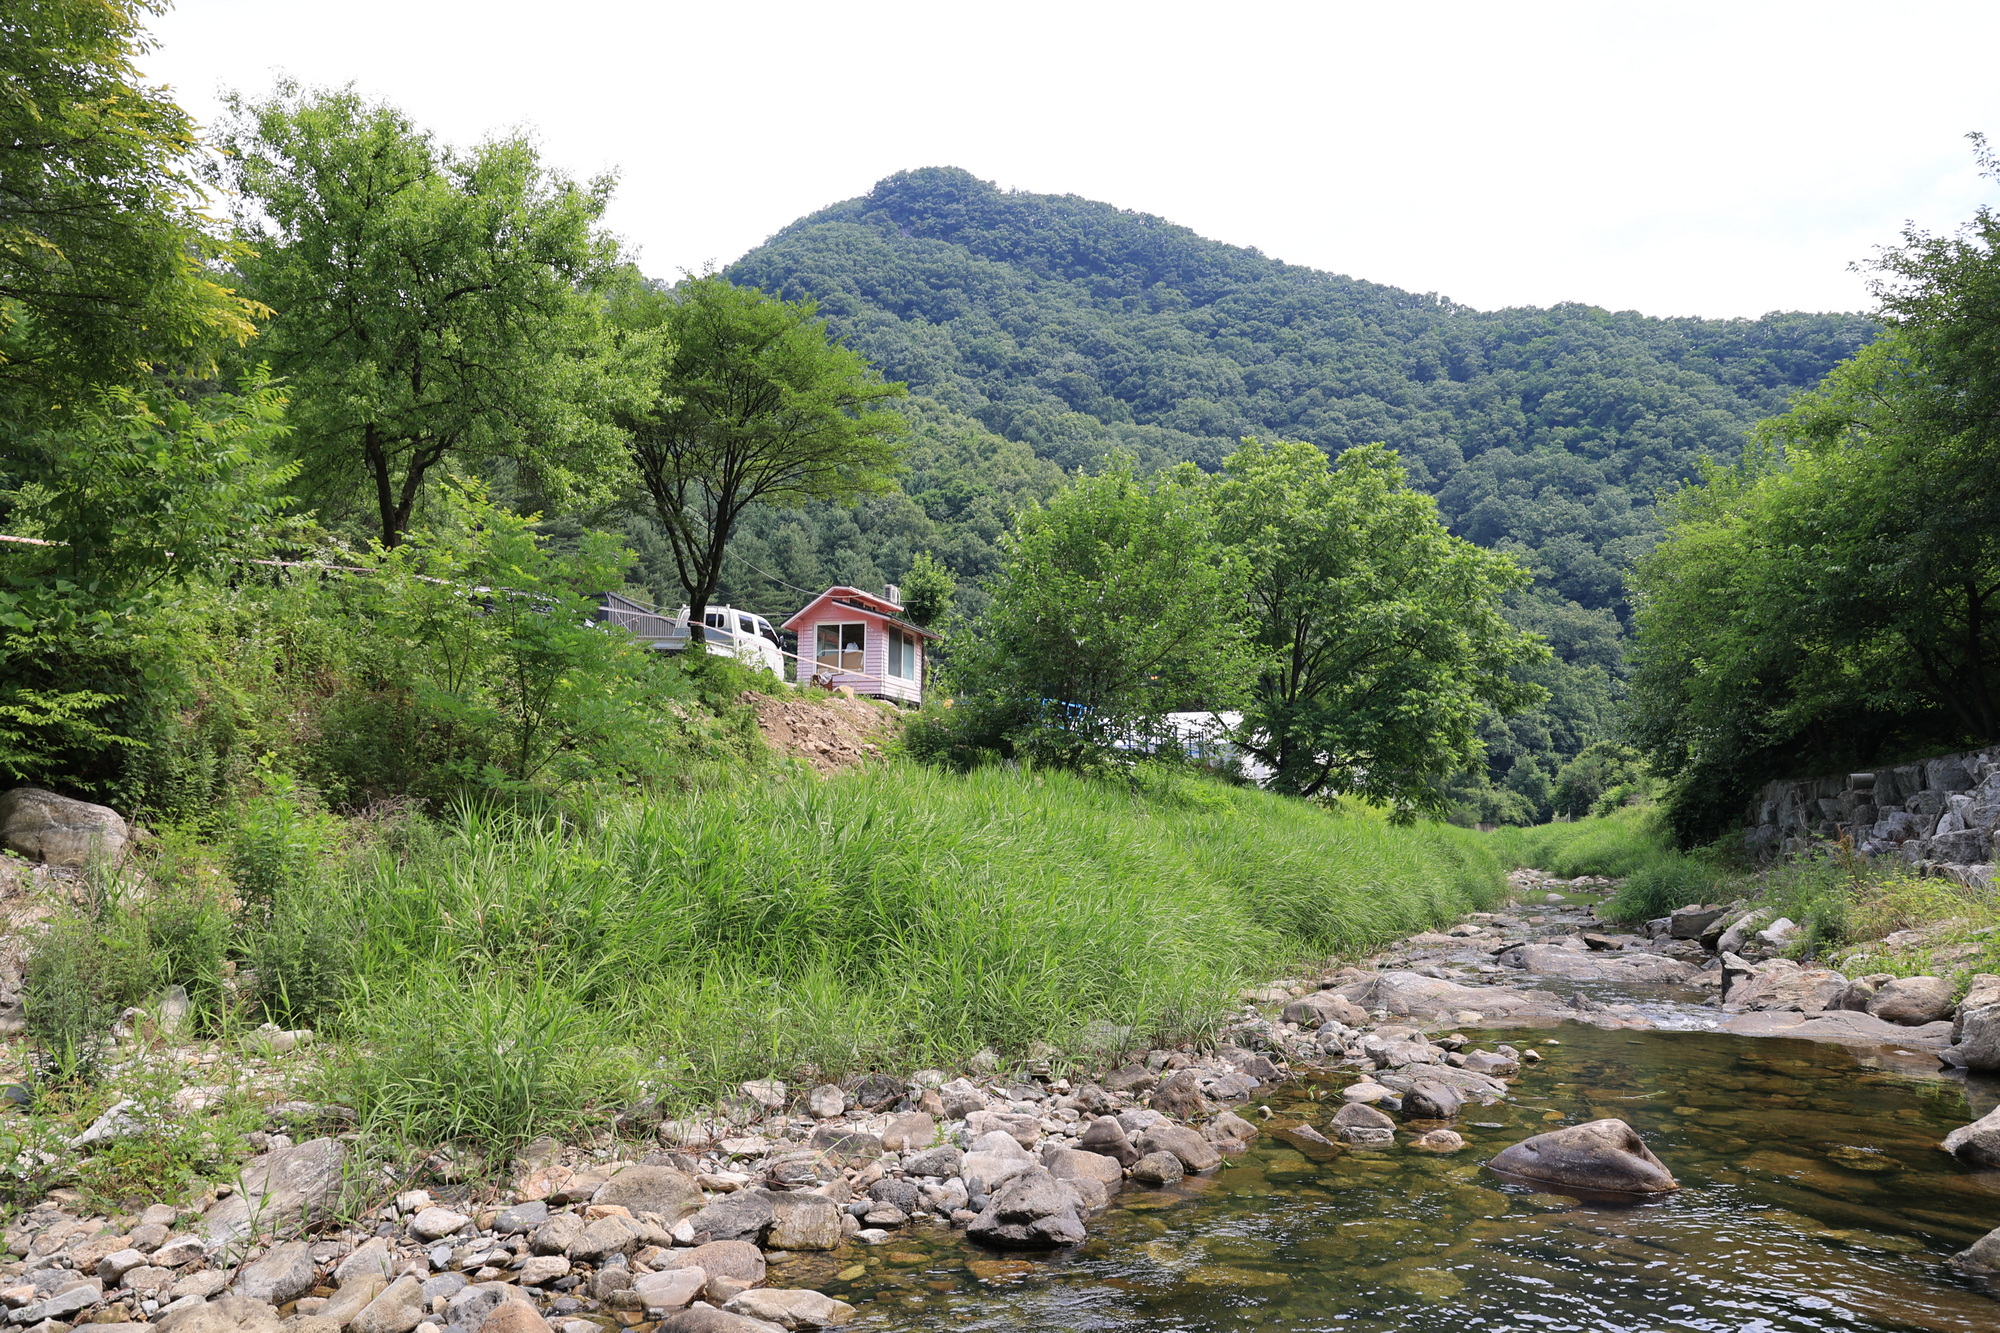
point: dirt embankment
(831, 734)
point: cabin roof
(871, 606)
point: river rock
(1741, 931)
(1602, 1155)
(1982, 1257)
(1912, 1001)
(1984, 989)
(1362, 1124)
(1325, 1006)
(708, 1319)
(280, 1275)
(671, 1289)
(1438, 1140)
(286, 1187)
(398, 1309)
(1408, 994)
(1778, 984)
(789, 1308)
(941, 1161)
(1429, 1099)
(59, 830)
(470, 1306)
(911, 1131)
(1105, 1135)
(803, 1222)
(744, 1215)
(653, 1189)
(1843, 1027)
(1858, 992)
(1074, 1163)
(1158, 1168)
(1229, 1130)
(1031, 1211)
(737, 1259)
(1195, 1152)
(1977, 1144)
(1688, 923)
(1978, 1038)
(515, 1317)
(224, 1314)
(985, 1172)
(1180, 1095)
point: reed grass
(511, 970)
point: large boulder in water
(1410, 995)
(1977, 1144)
(1978, 1038)
(1981, 1257)
(1606, 1156)
(1779, 984)
(1029, 1212)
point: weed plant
(1615, 844)
(517, 969)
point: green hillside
(1039, 332)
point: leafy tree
(1603, 768)
(927, 589)
(104, 253)
(434, 305)
(1076, 329)
(1383, 636)
(755, 403)
(1119, 602)
(489, 633)
(146, 492)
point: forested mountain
(1039, 332)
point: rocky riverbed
(813, 1207)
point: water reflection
(1815, 1198)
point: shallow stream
(1815, 1197)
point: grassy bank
(1848, 908)
(487, 977)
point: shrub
(1659, 885)
(482, 1060)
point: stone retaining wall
(1938, 814)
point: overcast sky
(1675, 158)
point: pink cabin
(859, 640)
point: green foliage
(928, 589)
(104, 251)
(753, 402)
(1605, 771)
(1119, 603)
(73, 988)
(1078, 329)
(1663, 883)
(138, 494)
(522, 967)
(481, 1061)
(433, 305)
(961, 486)
(1829, 600)
(1381, 634)
(480, 660)
(1614, 845)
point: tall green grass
(510, 972)
(1631, 844)
(1615, 845)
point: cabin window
(841, 647)
(902, 655)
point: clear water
(1815, 1198)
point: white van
(744, 635)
